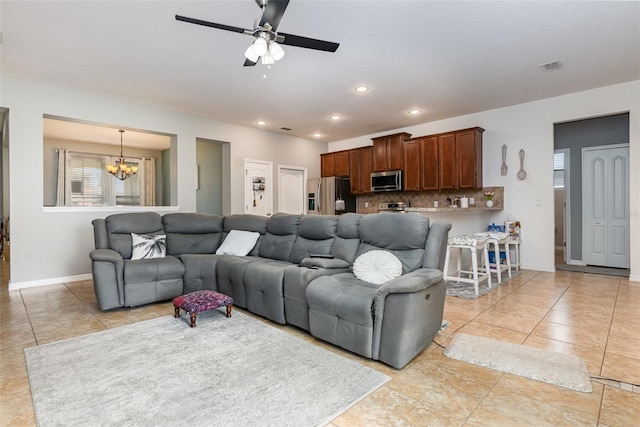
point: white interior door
(605, 213)
(291, 189)
(258, 187)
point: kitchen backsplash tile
(425, 199)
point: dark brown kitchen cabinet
(469, 158)
(327, 165)
(341, 163)
(354, 171)
(366, 167)
(460, 159)
(412, 169)
(429, 164)
(334, 164)
(421, 164)
(447, 172)
(388, 152)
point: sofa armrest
(415, 281)
(408, 295)
(107, 268)
(108, 255)
(330, 263)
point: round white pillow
(377, 267)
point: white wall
(530, 127)
(52, 245)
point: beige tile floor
(594, 317)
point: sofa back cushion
(120, 227)
(404, 235)
(315, 236)
(347, 240)
(193, 233)
(282, 230)
(247, 222)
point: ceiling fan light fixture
(276, 51)
(259, 46)
(267, 58)
(251, 54)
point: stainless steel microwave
(386, 181)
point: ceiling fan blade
(273, 12)
(213, 25)
(249, 63)
(306, 42)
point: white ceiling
(445, 58)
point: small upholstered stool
(199, 301)
(474, 244)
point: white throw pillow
(377, 267)
(238, 242)
(147, 246)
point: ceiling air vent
(551, 66)
(284, 128)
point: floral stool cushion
(199, 301)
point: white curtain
(147, 181)
(60, 185)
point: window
(558, 170)
(89, 184)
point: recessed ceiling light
(361, 89)
(261, 122)
(336, 117)
(317, 134)
(414, 111)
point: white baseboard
(634, 278)
(13, 286)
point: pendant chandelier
(122, 170)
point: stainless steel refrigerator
(330, 196)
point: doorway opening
(573, 191)
(5, 266)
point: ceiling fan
(267, 41)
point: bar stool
(472, 243)
(498, 242)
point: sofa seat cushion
(296, 280)
(340, 312)
(145, 270)
(151, 280)
(230, 277)
(200, 272)
(264, 286)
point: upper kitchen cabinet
(360, 167)
(429, 164)
(469, 158)
(334, 164)
(447, 172)
(327, 165)
(341, 162)
(421, 164)
(355, 171)
(366, 167)
(412, 168)
(388, 152)
(460, 159)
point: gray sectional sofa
(281, 280)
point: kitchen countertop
(455, 209)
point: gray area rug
(590, 269)
(537, 364)
(225, 372)
(466, 290)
